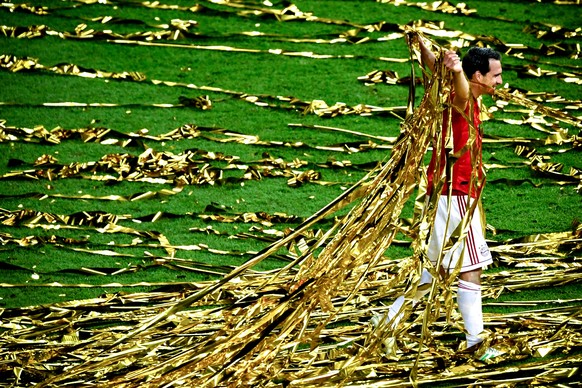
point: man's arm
(453, 63)
(460, 83)
(427, 57)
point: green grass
(515, 210)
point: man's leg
(394, 313)
(470, 305)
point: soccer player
(477, 74)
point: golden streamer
(179, 28)
(300, 326)
(58, 337)
(516, 97)
(317, 282)
(435, 6)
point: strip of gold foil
(301, 325)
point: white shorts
(473, 250)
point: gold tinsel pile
(307, 324)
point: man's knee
(473, 276)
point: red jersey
(463, 168)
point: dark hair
(477, 59)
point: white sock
(469, 301)
(425, 278)
(394, 310)
(423, 287)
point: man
(478, 74)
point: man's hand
(453, 62)
(460, 84)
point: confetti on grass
(305, 324)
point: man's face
(489, 81)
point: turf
(38, 252)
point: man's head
(483, 68)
